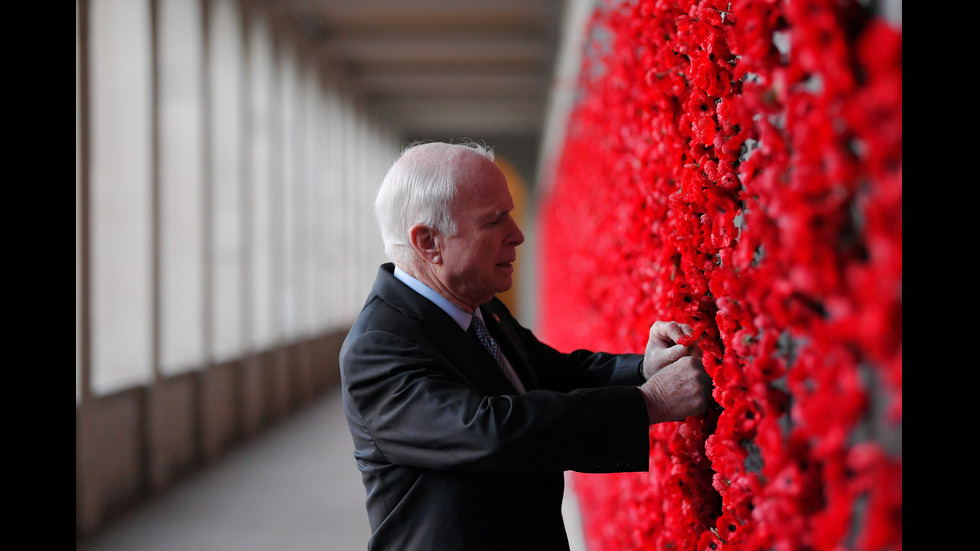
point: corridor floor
(293, 488)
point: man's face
(477, 261)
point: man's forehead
(486, 199)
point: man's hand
(677, 391)
(662, 348)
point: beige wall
(137, 442)
(224, 236)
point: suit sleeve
(409, 407)
(565, 372)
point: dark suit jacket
(452, 457)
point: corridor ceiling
(435, 69)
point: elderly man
(463, 422)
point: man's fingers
(680, 390)
(670, 331)
(676, 352)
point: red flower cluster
(737, 166)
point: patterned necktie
(479, 331)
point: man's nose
(516, 236)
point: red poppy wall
(737, 166)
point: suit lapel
(464, 354)
(501, 327)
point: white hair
(420, 188)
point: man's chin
(505, 284)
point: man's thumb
(676, 352)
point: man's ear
(424, 242)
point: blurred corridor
(293, 488)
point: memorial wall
(737, 166)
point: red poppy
(758, 199)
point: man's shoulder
(379, 326)
(381, 314)
(392, 307)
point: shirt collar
(460, 316)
